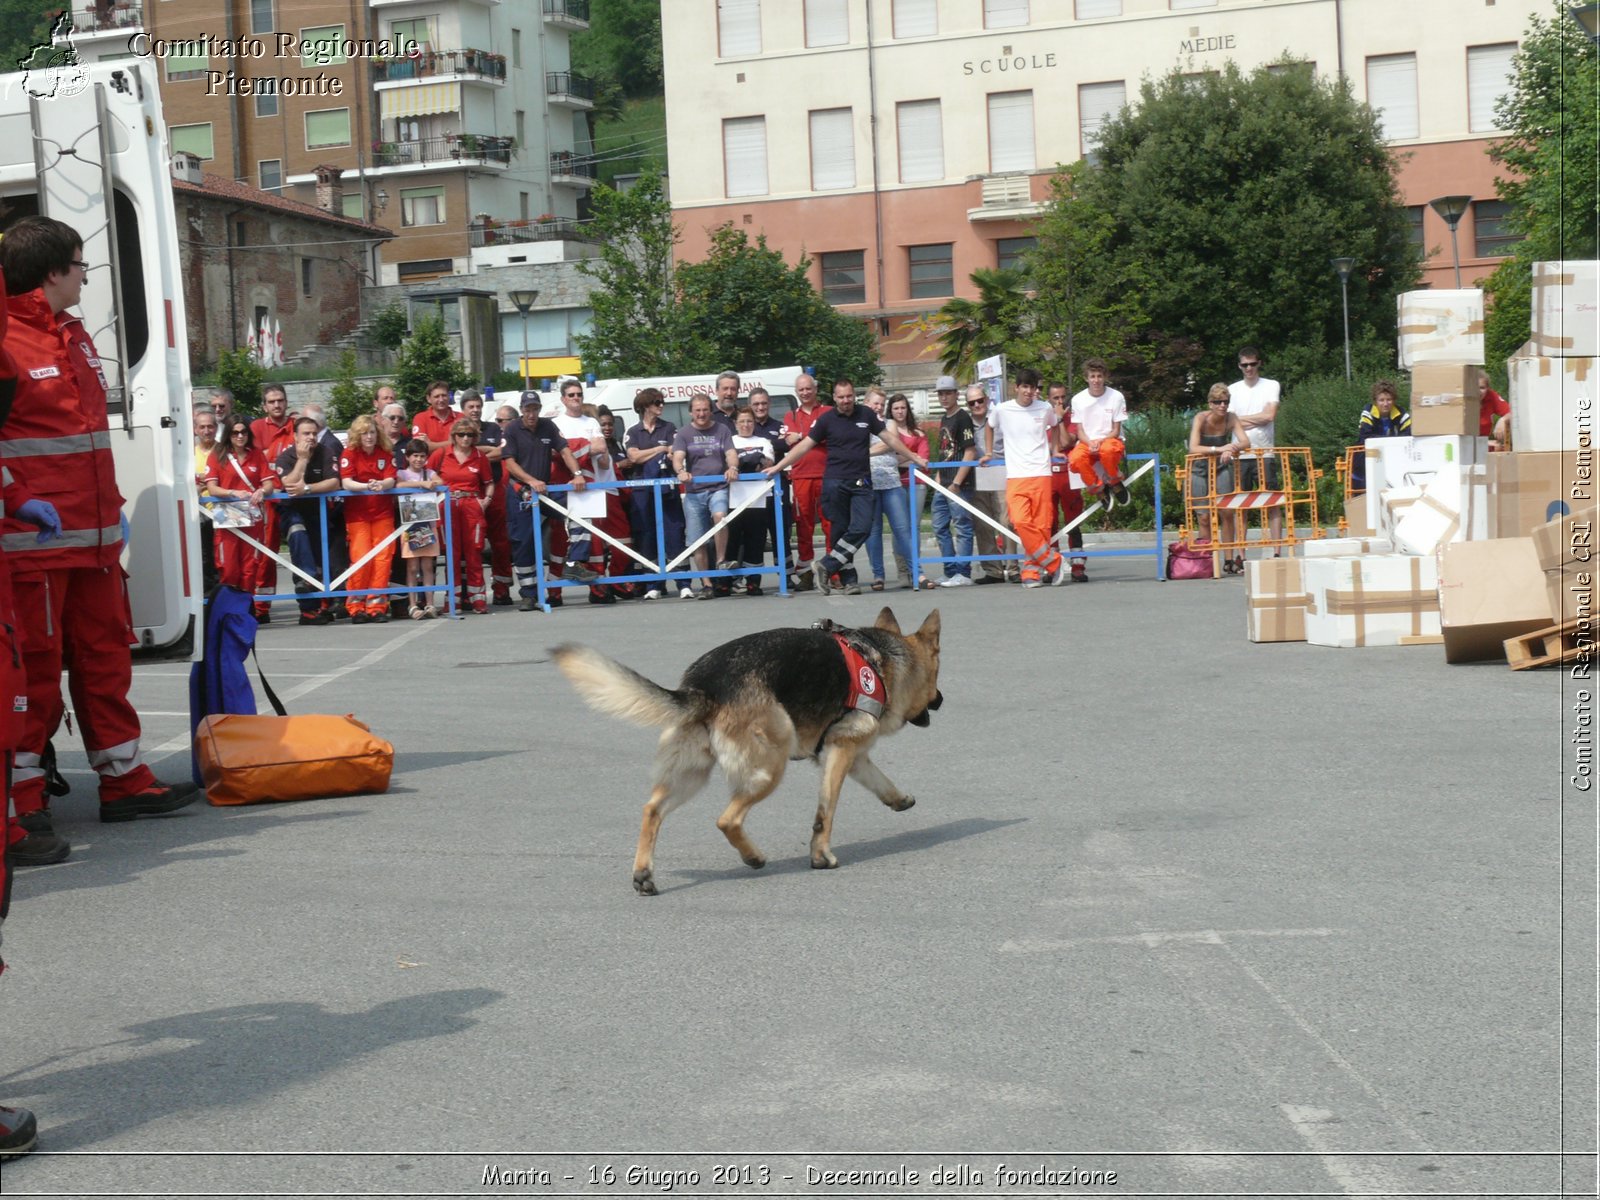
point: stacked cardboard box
(1275, 600)
(1569, 557)
(1372, 600)
(1489, 591)
(1441, 327)
(1553, 376)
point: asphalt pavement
(1215, 917)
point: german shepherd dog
(754, 703)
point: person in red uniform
(368, 465)
(1494, 415)
(465, 472)
(70, 594)
(237, 470)
(434, 423)
(806, 478)
(272, 435)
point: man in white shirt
(1097, 416)
(1254, 401)
(1025, 424)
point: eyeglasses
(78, 262)
(463, 435)
(1245, 366)
(238, 433)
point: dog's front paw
(644, 882)
(755, 861)
(824, 862)
(903, 803)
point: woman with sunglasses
(236, 470)
(367, 465)
(465, 471)
(1216, 434)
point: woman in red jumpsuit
(466, 472)
(238, 471)
(367, 465)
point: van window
(135, 313)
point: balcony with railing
(568, 14)
(569, 88)
(471, 149)
(431, 65)
(540, 229)
(572, 170)
(105, 20)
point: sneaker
(529, 604)
(602, 598)
(1109, 497)
(1122, 493)
(651, 594)
(554, 595)
(705, 593)
(1062, 575)
(19, 1132)
(381, 617)
(480, 608)
(1079, 574)
(728, 564)
(163, 798)
(578, 573)
(359, 618)
(685, 593)
(851, 589)
(1033, 581)
(754, 589)
(821, 579)
(263, 618)
(502, 600)
(956, 581)
(986, 579)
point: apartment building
(904, 144)
(449, 122)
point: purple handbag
(1186, 563)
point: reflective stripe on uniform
(111, 535)
(72, 443)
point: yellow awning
(420, 100)
(538, 368)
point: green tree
(748, 308)
(1551, 116)
(638, 327)
(389, 326)
(24, 27)
(240, 373)
(1232, 192)
(997, 322)
(622, 46)
(348, 398)
(424, 357)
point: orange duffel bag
(258, 759)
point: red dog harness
(867, 693)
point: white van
(676, 390)
(88, 146)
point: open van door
(97, 157)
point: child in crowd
(419, 545)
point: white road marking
(1153, 938)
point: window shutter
(916, 18)
(1392, 92)
(1002, 14)
(1098, 103)
(827, 23)
(833, 149)
(744, 152)
(738, 27)
(1089, 9)
(1488, 78)
(921, 133)
(328, 127)
(1011, 131)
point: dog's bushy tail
(617, 690)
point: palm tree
(969, 330)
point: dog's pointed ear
(886, 621)
(930, 628)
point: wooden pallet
(1547, 647)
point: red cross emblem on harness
(866, 686)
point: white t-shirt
(1247, 401)
(579, 431)
(1096, 416)
(1026, 429)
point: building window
(833, 149)
(1089, 10)
(744, 156)
(1392, 93)
(270, 172)
(1492, 233)
(322, 46)
(920, 132)
(423, 269)
(1004, 14)
(261, 16)
(523, 208)
(422, 206)
(1414, 235)
(916, 18)
(516, 48)
(266, 102)
(1010, 252)
(932, 271)
(327, 127)
(522, 128)
(827, 23)
(350, 206)
(1488, 79)
(414, 33)
(307, 276)
(844, 276)
(738, 27)
(1011, 131)
(1302, 67)
(187, 60)
(196, 139)
(1097, 104)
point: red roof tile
(242, 193)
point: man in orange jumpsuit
(71, 596)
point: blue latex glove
(43, 514)
(127, 530)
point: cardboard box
(1345, 546)
(1444, 399)
(1441, 326)
(1397, 501)
(1454, 507)
(1276, 600)
(1373, 600)
(1489, 591)
(1397, 462)
(1566, 309)
(1356, 523)
(1527, 488)
(1569, 557)
(1553, 401)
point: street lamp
(1452, 209)
(1343, 267)
(523, 298)
(1588, 15)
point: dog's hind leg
(865, 772)
(753, 756)
(683, 762)
(837, 760)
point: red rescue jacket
(57, 442)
